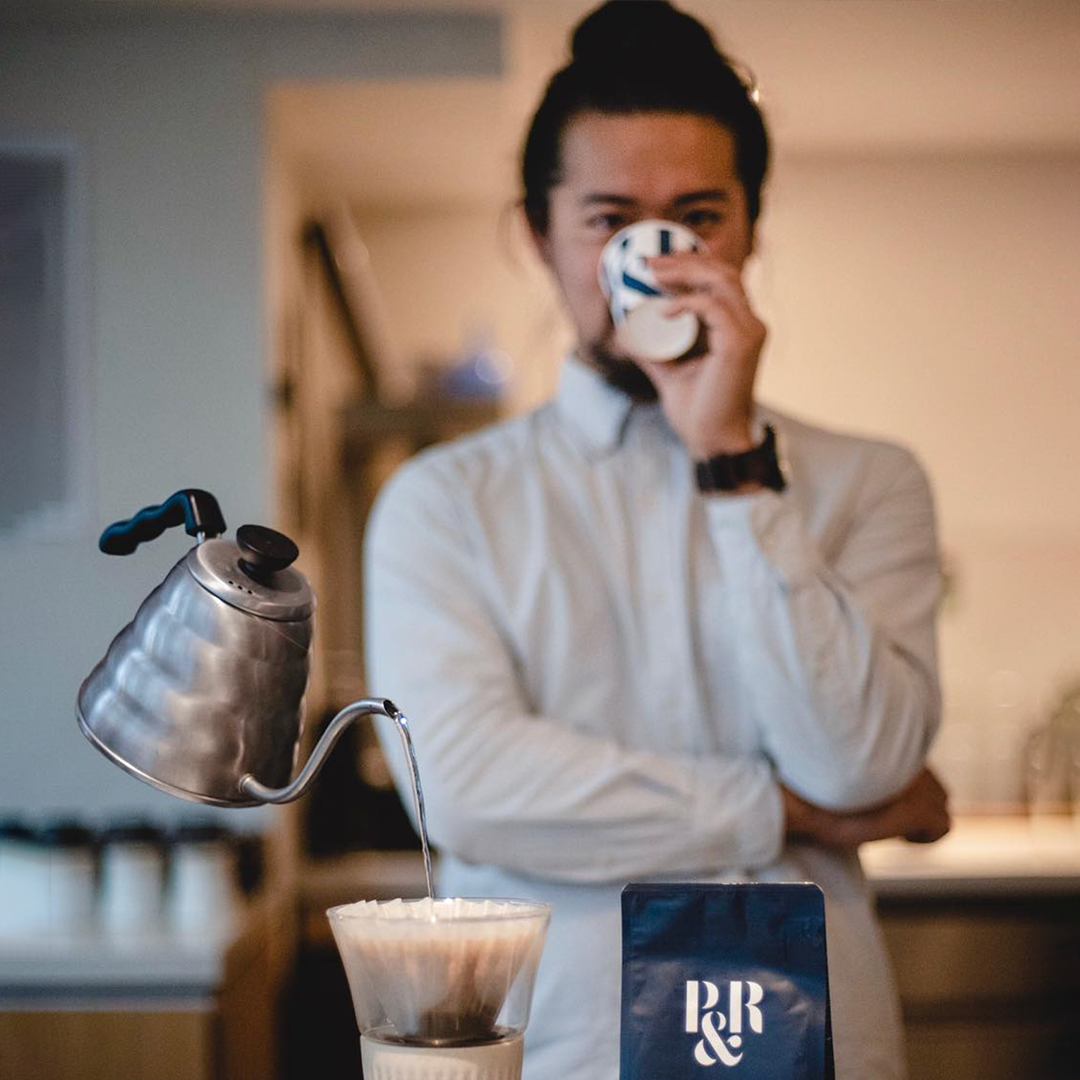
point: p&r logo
(722, 1035)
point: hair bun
(637, 27)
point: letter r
(736, 1005)
(754, 994)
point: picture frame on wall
(46, 414)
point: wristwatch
(759, 465)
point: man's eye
(702, 219)
(611, 222)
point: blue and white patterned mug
(634, 297)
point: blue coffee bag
(724, 980)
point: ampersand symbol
(711, 1029)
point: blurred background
(271, 248)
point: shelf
(366, 424)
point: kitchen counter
(983, 856)
(154, 1006)
(983, 932)
(92, 963)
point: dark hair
(632, 56)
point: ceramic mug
(636, 301)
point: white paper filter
(434, 971)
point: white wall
(166, 107)
(936, 298)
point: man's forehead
(647, 154)
(588, 197)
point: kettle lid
(254, 573)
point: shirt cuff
(765, 525)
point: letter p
(694, 1004)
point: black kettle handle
(196, 510)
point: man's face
(625, 167)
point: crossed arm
(531, 793)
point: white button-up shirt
(607, 674)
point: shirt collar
(597, 411)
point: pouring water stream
(402, 724)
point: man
(618, 666)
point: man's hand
(920, 813)
(708, 399)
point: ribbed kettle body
(195, 693)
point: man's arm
(841, 659)
(920, 813)
(842, 671)
(506, 786)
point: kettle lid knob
(264, 551)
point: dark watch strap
(759, 465)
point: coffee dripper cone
(441, 985)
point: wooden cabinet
(92, 1041)
(990, 986)
(166, 1012)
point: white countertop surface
(991, 856)
(159, 965)
(93, 962)
(1003, 856)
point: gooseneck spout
(253, 789)
(336, 728)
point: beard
(620, 372)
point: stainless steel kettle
(201, 695)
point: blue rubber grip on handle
(196, 510)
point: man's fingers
(926, 836)
(711, 307)
(694, 263)
(931, 831)
(695, 274)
